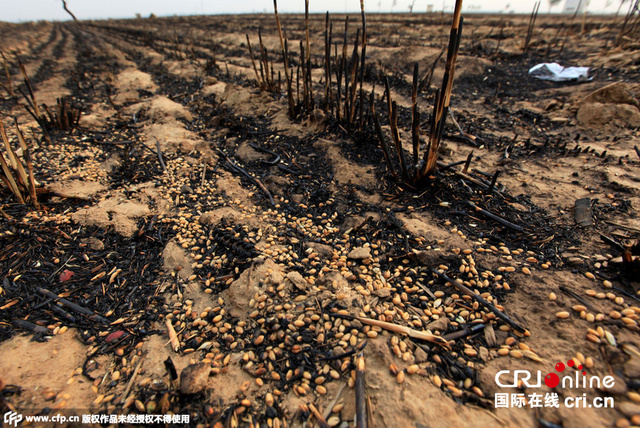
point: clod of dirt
(194, 378)
(94, 243)
(297, 280)
(360, 253)
(216, 216)
(122, 216)
(78, 188)
(629, 409)
(441, 325)
(612, 105)
(615, 93)
(247, 154)
(242, 290)
(277, 184)
(420, 355)
(175, 259)
(632, 368)
(131, 81)
(316, 121)
(382, 293)
(333, 279)
(324, 251)
(161, 109)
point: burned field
(193, 226)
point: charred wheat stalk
(443, 98)
(340, 69)
(32, 104)
(378, 128)
(27, 157)
(353, 79)
(260, 81)
(392, 110)
(64, 117)
(328, 98)
(266, 68)
(363, 55)
(361, 403)
(415, 116)
(21, 184)
(309, 104)
(288, 77)
(532, 24)
(634, 7)
(9, 86)
(426, 80)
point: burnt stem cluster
(62, 117)
(345, 99)
(347, 102)
(631, 24)
(531, 27)
(265, 76)
(421, 167)
(8, 87)
(16, 178)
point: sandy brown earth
(252, 287)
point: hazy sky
(32, 10)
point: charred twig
(76, 308)
(465, 332)
(493, 181)
(64, 6)
(577, 297)
(480, 300)
(333, 402)
(361, 403)
(25, 325)
(496, 217)
(471, 139)
(159, 153)
(130, 383)
(321, 420)
(361, 225)
(230, 164)
(467, 163)
(401, 329)
(276, 157)
(348, 353)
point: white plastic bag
(557, 73)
